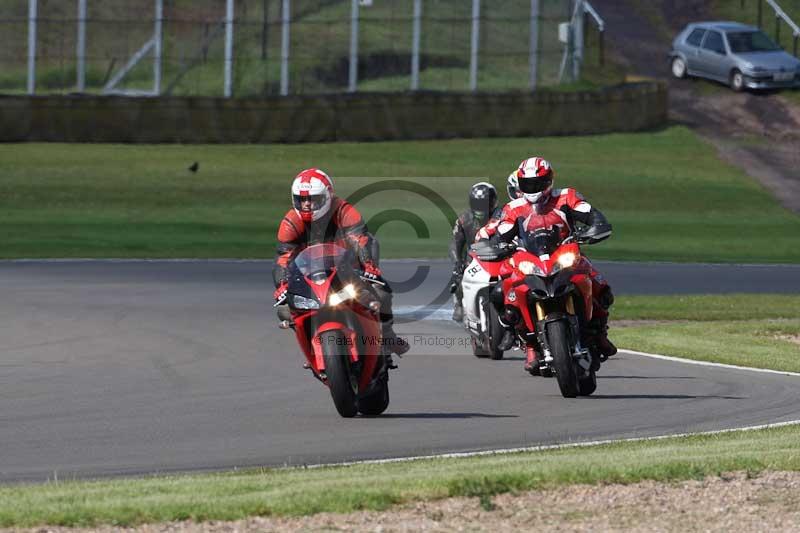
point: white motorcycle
(480, 316)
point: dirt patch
(732, 502)
(791, 338)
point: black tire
(563, 365)
(342, 383)
(587, 385)
(377, 402)
(547, 372)
(736, 81)
(495, 334)
(678, 67)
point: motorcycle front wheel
(341, 381)
(564, 367)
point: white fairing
(475, 278)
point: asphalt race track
(139, 367)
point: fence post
(81, 48)
(353, 74)
(157, 47)
(777, 29)
(31, 46)
(229, 48)
(760, 9)
(534, 45)
(473, 58)
(577, 53)
(264, 28)
(415, 38)
(285, 29)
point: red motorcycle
(548, 297)
(335, 317)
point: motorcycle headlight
(301, 302)
(529, 268)
(347, 292)
(566, 260)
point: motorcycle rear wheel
(342, 383)
(558, 338)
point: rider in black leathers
(482, 209)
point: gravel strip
(732, 502)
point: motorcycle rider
(482, 210)
(540, 204)
(319, 216)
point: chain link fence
(250, 48)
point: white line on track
(707, 363)
(505, 451)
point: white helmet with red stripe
(535, 179)
(312, 190)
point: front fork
(579, 353)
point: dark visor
(530, 186)
(315, 200)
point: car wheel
(737, 81)
(679, 68)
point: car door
(691, 49)
(713, 57)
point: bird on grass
(194, 166)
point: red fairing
(492, 267)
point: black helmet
(482, 200)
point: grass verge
(667, 194)
(342, 489)
(753, 330)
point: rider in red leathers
(319, 216)
(541, 205)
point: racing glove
(371, 271)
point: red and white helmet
(312, 190)
(535, 179)
(512, 186)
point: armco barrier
(340, 117)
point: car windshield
(322, 258)
(541, 241)
(743, 42)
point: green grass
(666, 193)
(230, 496)
(704, 308)
(751, 343)
(753, 330)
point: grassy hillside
(320, 36)
(667, 194)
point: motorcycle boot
(458, 310)
(598, 328)
(392, 342)
(532, 360)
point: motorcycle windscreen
(319, 260)
(541, 241)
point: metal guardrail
(780, 14)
